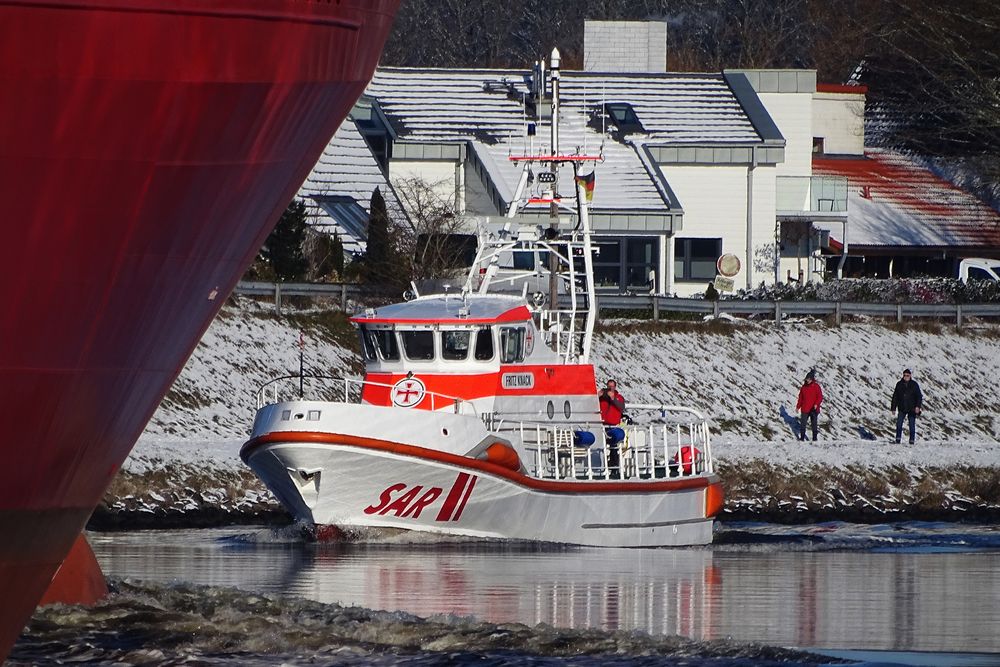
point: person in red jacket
(810, 398)
(612, 406)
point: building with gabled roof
(764, 165)
(904, 220)
(457, 129)
(338, 190)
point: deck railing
(344, 390)
(669, 441)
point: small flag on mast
(587, 183)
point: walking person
(810, 399)
(906, 403)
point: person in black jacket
(906, 402)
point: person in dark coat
(810, 398)
(906, 402)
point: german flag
(587, 183)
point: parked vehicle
(979, 268)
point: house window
(643, 255)
(694, 259)
(625, 262)
(818, 145)
(623, 116)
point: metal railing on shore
(662, 305)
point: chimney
(625, 46)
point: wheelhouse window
(418, 345)
(484, 345)
(695, 259)
(511, 344)
(379, 343)
(455, 345)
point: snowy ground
(745, 376)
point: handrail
(649, 451)
(348, 384)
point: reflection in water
(818, 594)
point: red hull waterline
(146, 149)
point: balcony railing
(823, 194)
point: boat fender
(502, 455)
(687, 454)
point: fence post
(343, 297)
(277, 298)
(656, 308)
(899, 313)
(777, 312)
(958, 315)
(715, 308)
(839, 316)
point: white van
(978, 268)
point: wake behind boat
(479, 413)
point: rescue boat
(479, 415)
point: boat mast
(567, 323)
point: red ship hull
(146, 149)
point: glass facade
(625, 262)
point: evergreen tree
(337, 253)
(380, 260)
(283, 248)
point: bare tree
(435, 233)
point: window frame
(520, 331)
(468, 345)
(406, 354)
(682, 253)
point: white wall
(793, 114)
(714, 199)
(840, 119)
(440, 174)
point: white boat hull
(351, 481)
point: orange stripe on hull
(548, 486)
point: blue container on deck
(583, 438)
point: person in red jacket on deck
(612, 406)
(810, 398)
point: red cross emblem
(408, 392)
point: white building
(696, 165)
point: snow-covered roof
(474, 309)
(346, 172)
(892, 201)
(483, 109)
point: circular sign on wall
(728, 265)
(408, 392)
